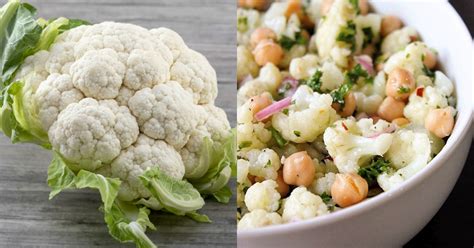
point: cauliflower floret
(409, 153)
(313, 9)
(332, 76)
(172, 40)
(375, 88)
(419, 106)
(323, 184)
(302, 205)
(295, 51)
(92, 133)
(411, 59)
(54, 95)
(339, 15)
(144, 154)
(443, 84)
(367, 104)
(304, 67)
(145, 69)
(246, 65)
(243, 171)
(196, 75)
(398, 40)
(247, 21)
(276, 20)
(268, 80)
(264, 163)
(165, 112)
(213, 125)
(349, 144)
(263, 196)
(258, 218)
(308, 117)
(252, 136)
(372, 21)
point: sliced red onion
(288, 86)
(366, 62)
(272, 109)
(390, 129)
(245, 80)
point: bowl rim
(434, 165)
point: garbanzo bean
(282, 188)
(363, 7)
(259, 102)
(390, 109)
(440, 122)
(299, 169)
(401, 121)
(400, 84)
(429, 60)
(260, 34)
(349, 189)
(349, 105)
(253, 4)
(389, 24)
(268, 51)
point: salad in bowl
(335, 105)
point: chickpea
(260, 34)
(268, 51)
(379, 67)
(349, 189)
(259, 102)
(390, 109)
(349, 105)
(294, 7)
(363, 7)
(282, 188)
(440, 122)
(401, 121)
(253, 4)
(299, 169)
(389, 24)
(429, 60)
(400, 84)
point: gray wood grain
(72, 219)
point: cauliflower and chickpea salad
(335, 105)
(125, 110)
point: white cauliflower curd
(263, 196)
(259, 218)
(302, 205)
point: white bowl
(392, 218)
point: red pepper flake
(344, 126)
(419, 91)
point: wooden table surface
(72, 219)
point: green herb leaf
(278, 138)
(297, 133)
(350, 78)
(242, 24)
(377, 166)
(245, 144)
(287, 43)
(402, 90)
(368, 36)
(428, 72)
(355, 5)
(314, 82)
(347, 34)
(326, 198)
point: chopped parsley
(314, 82)
(377, 166)
(287, 43)
(245, 144)
(278, 138)
(426, 70)
(347, 34)
(403, 90)
(368, 35)
(350, 78)
(285, 111)
(242, 24)
(297, 133)
(355, 4)
(326, 198)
